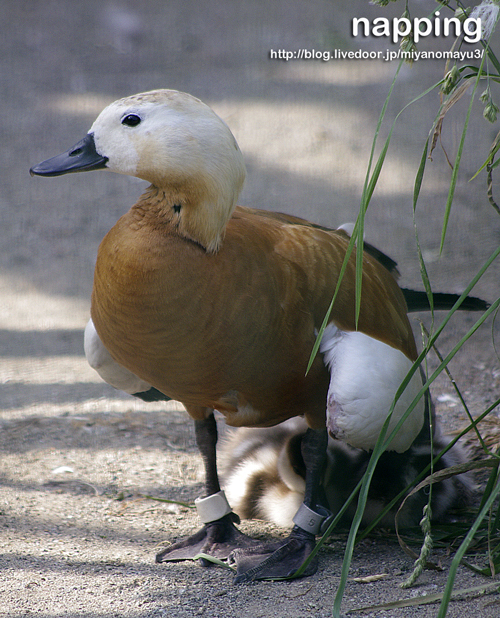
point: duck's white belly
(365, 376)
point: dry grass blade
(490, 434)
(490, 189)
(490, 164)
(184, 504)
(455, 96)
(441, 475)
(368, 579)
(428, 599)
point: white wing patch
(365, 375)
(109, 370)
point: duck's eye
(131, 120)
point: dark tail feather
(384, 259)
(419, 301)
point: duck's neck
(187, 214)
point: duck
(218, 306)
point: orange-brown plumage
(212, 329)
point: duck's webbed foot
(274, 560)
(283, 559)
(217, 538)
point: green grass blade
(491, 56)
(456, 166)
(416, 192)
(213, 560)
(357, 235)
(495, 147)
(350, 247)
(382, 443)
(368, 188)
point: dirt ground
(77, 458)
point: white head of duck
(175, 142)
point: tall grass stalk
(370, 183)
(384, 441)
(456, 165)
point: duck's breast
(229, 330)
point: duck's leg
(219, 536)
(276, 560)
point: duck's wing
(369, 355)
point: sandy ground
(77, 458)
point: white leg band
(212, 507)
(312, 521)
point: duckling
(218, 306)
(263, 476)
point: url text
(388, 55)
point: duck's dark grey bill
(83, 157)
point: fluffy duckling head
(179, 145)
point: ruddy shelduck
(219, 306)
